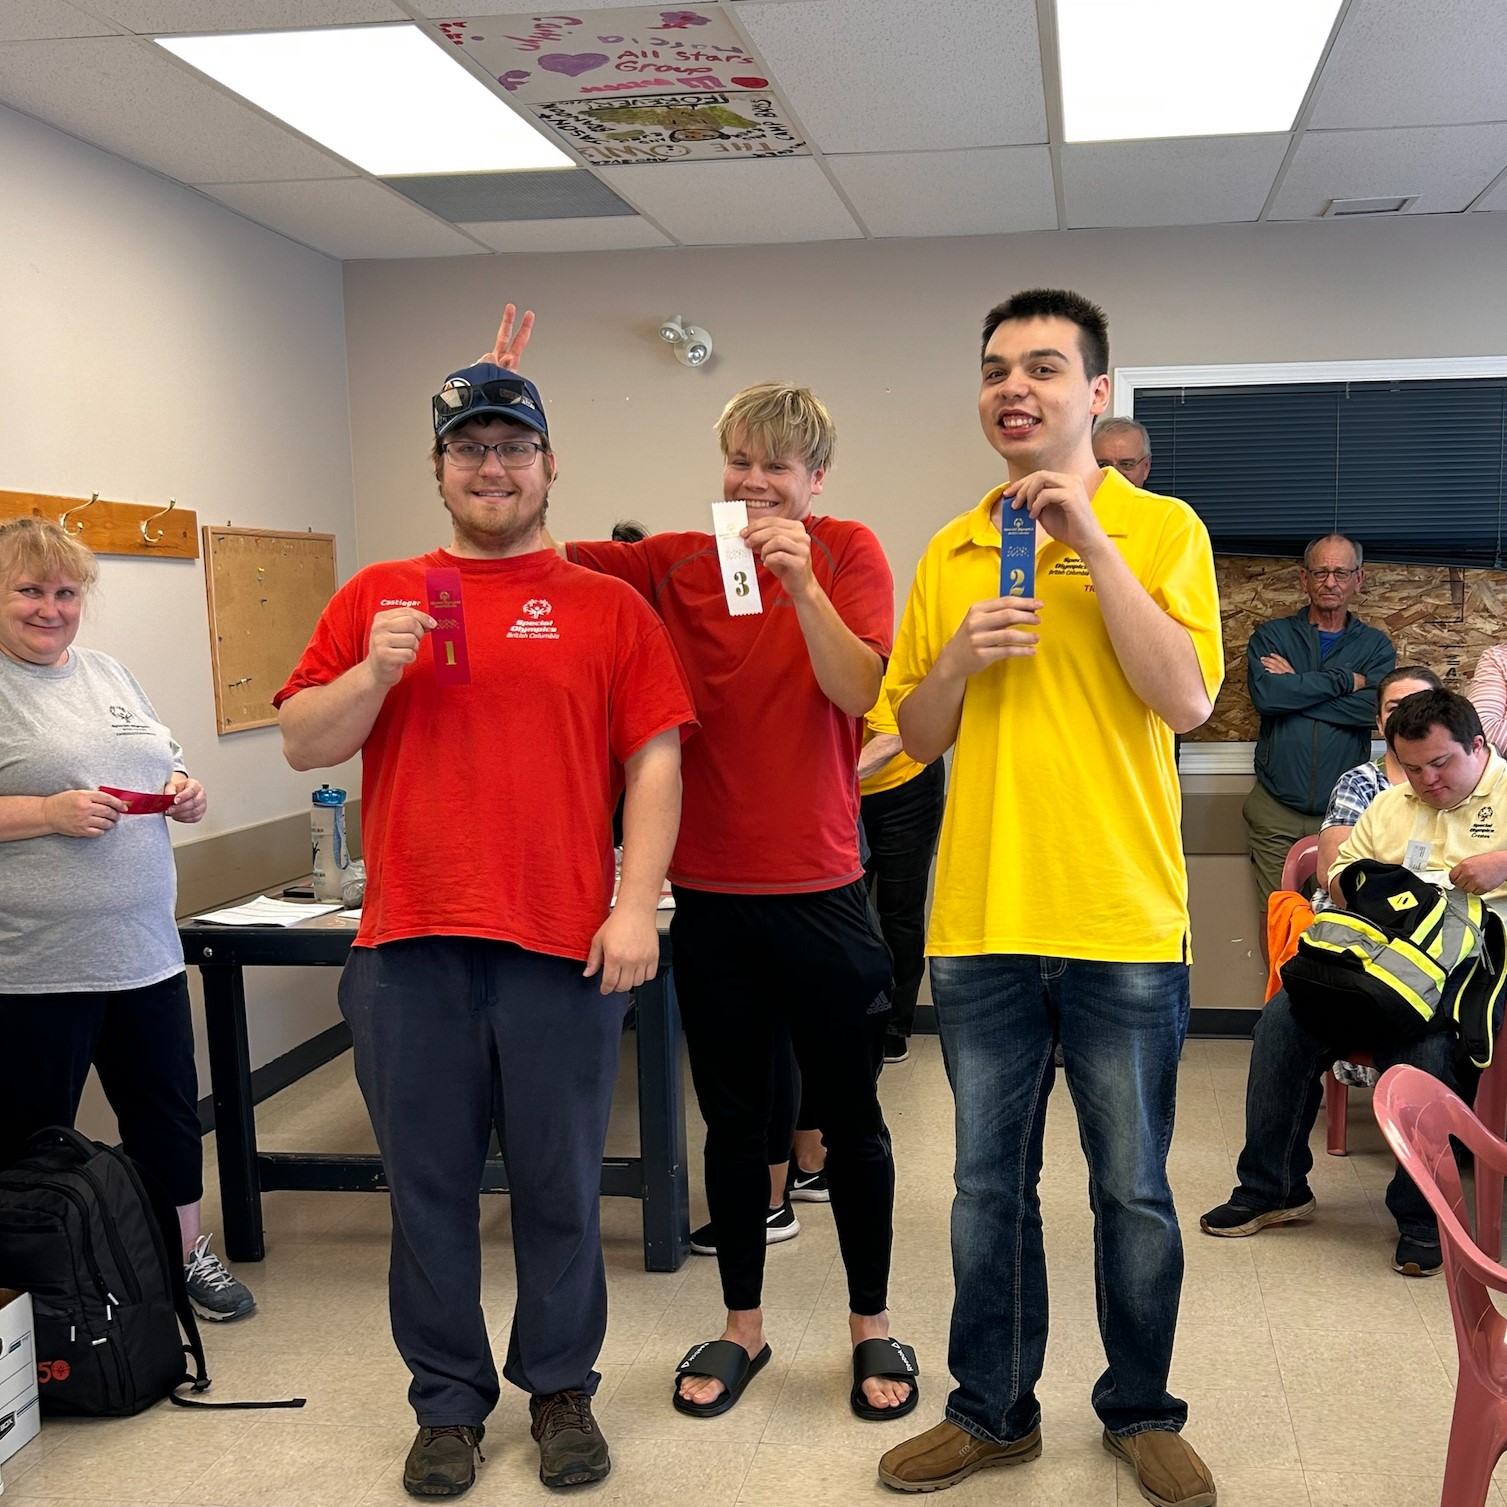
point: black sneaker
(442, 1462)
(216, 1294)
(1417, 1258)
(1234, 1220)
(572, 1450)
(779, 1224)
(806, 1187)
(896, 1049)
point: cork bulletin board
(1436, 615)
(266, 591)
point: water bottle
(327, 828)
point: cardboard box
(20, 1414)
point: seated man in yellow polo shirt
(1448, 822)
(1060, 907)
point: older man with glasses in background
(1124, 445)
(1312, 679)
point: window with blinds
(1413, 469)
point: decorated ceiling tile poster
(673, 128)
(558, 55)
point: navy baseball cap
(484, 390)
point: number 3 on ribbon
(740, 583)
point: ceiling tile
(154, 16)
(738, 203)
(1497, 198)
(444, 10)
(618, 233)
(34, 20)
(132, 99)
(905, 75)
(1447, 166)
(990, 191)
(1208, 180)
(1416, 63)
(350, 218)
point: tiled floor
(1314, 1374)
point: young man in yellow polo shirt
(1060, 907)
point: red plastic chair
(1301, 865)
(1418, 1115)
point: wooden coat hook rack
(112, 528)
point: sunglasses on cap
(459, 396)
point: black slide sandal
(888, 1360)
(722, 1360)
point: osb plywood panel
(1436, 615)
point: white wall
(153, 344)
(887, 332)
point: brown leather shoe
(946, 1454)
(1166, 1466)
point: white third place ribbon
(740, 571)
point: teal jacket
(1314, 723)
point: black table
(656, 1176)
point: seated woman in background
(91, 969)
(1488, 694)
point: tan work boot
(1166, 1466)
(946, 1454)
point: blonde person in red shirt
(490, 975)
(772, 924)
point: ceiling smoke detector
(691, 343)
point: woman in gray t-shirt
(91, 970)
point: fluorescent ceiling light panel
(1153, 68)
(385, 97)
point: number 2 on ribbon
(1017, 583)
(740, 583)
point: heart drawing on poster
(572, 64)
(749, 83)
(513, 79)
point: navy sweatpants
(452, 1035)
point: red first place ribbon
(451, 667)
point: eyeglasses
(1126, 465)
(469, 455)
(1337, 576)
(458, 395)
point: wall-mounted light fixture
(692, 344)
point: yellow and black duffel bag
(1404, 957)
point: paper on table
(265, 911)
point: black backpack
(82, 1232)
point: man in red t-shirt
(773, 931)
(492, 757)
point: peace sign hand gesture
(511, 344)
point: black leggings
(748, 970)
(141, 1041)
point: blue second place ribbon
(1017, 551)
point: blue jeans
(1282, 1096)
(1122, 1027)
